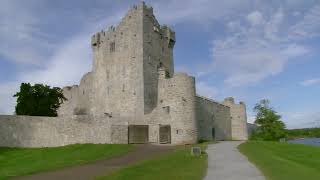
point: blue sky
(249, 49)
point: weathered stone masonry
(132, 95)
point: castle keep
(132, 95)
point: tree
(38, 100)
(270, 126)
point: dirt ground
(101, 167)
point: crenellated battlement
(230, 100)
(212, 101)
(133, 15)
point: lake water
(307, 141)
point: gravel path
(101, 167)
(225, 162)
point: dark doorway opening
(213, 133)
(138, 134)
(165, 134)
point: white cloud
(255, 18)
(305, 119)
(206, 90)
(251, 53)
(294, 50)
(7, 101)
(201, 11)
(310, 82)
(19, 29)
(309, 26)
(251, 119)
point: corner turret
(238, 119)
(169, 36)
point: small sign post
(195, 151)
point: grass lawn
(176, 165)
(23, 161)
(282, 161)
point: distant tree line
(303, 133)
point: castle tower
(126, 62)
(238, 119)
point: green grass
(23, 161)
(282, 161)
(176, 165)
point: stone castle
(132, 95)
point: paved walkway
(101, 167)
(225, 162)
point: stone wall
(157, 53)
(177, 99)
(238, 119)
(85, 96)
(34, 131)
(67, 107)
(214, 122)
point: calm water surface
(307, 141)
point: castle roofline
(211, 100)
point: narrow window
(122, 87)
(112, 46)
(177, 131)
(107, 75)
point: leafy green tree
(38, 100)
(270, 126)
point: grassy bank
(279, 161)
(175, 165)
(23, 161)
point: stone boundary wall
(211, 114)
(36, 131)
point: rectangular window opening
(112, 47)
(166, 109)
